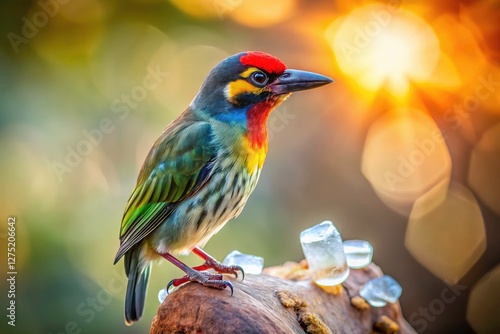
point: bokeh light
(483, 307)
(404, 157)
(83, 23)
(255, 13)
(204, 9)
(484, 170)
(262, 13)
(379, 46)
(119, 64)
(450, 238)
(183, 80)
(84, 11)
(460, 51)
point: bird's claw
(169, 285)
(211, 263)
(239, 268)
(228, 284)
(205, 279)
(221, 285)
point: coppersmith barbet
(201, 170)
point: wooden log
(283, 300)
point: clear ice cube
(380, 291)
(358, 253)
(162, 294)
(251, 264)
(324, 252)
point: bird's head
(250, 84)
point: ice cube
(358, 253)
(162, 294)
(324, 252)
(251, 264)
(380, 291)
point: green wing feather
(177, 166)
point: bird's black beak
(295, 80)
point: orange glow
(255, 13)
(463, 57)
(380, 47)
(261, 13)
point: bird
(201, 170)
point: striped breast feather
(177, 167)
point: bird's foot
(204, 278)
(211, 263)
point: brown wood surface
(282, 300)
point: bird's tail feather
(138, 277)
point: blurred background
(403, 150)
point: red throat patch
(256, 121)
(264, 61)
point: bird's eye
(259, 78)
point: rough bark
(282, 300)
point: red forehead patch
(264, 61)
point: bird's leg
(211, 263)
(193, 275)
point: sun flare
(382, 47)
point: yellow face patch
(242, 86)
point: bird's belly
(196, 220)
